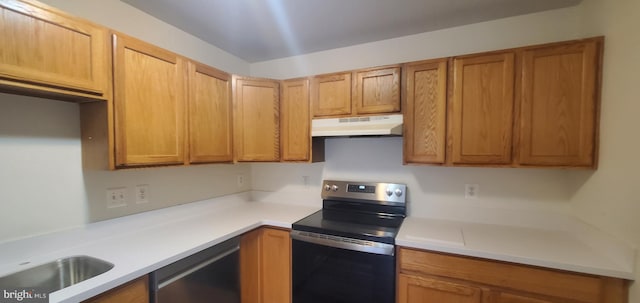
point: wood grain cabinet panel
(265, 266)
(149, 104)
(296, 120)
(376, 91)
(502, 282)
(210, 115)
(482, 108)
(559, 104)
(413, 289)
(257, 119)
(513, 298)
(331, 95)
(136, 291)
(45, 49)
(425, 96)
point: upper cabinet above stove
(535, 106)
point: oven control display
(354, 188)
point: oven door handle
(344, 243)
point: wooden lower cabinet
(423, 289)
(136, 291)
(265, 266)
(431, 277)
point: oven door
(330, 269)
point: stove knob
(334, 187)
(327, 187)
(389, 192)
(398, 192)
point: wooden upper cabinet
(296, 120)
(482, 109)
(414, 289)
(559, 104)
(149, 104)
(425, 102)
(257, 119)
(331, 95)
(377, 90)
(47, 50)
(210, 115)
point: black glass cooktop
(375, 227)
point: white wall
(608, 198)
(42, 185)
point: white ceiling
(260, 30)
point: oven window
(334, 275)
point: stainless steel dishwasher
(212, 275)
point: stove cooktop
(358, 210)
(376, 228)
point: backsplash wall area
(433, 191)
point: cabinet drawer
(553, 283)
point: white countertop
(141, 243)
(579, 249)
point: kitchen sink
(57, 274)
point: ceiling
(260, 30)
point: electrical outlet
(240, 181)
(471, 191)
(116, 197)
(142, 193)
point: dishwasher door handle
(198, 267)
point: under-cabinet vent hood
(357, 126)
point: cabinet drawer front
(419, 289)
(44, 47)
(506, 275)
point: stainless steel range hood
(388, 125)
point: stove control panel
(383, 193)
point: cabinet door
(149, 104)
(210, 112)
(136, 291)
(331, 95)
(414, 289)
(425, 111)
(265, 266)
(482, 111)
(43, 46)
(377, 91)
(558, 110)
(296, 120)
(257, 120)
(276, 266)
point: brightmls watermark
(30, 295)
